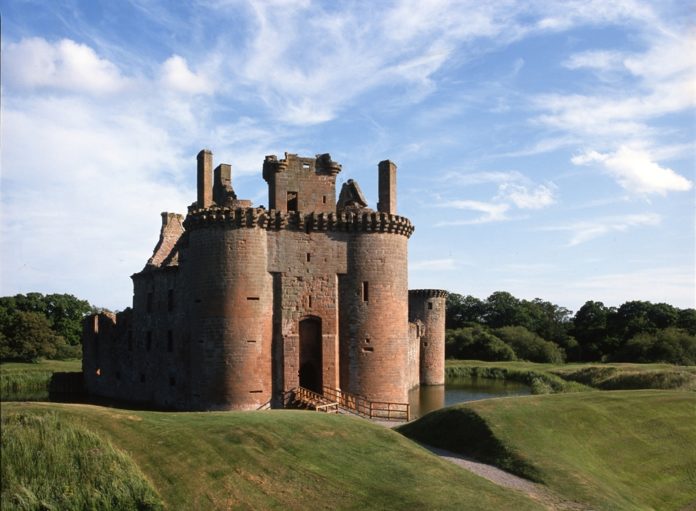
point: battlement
(346, 221)
(428, 293)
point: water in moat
(427, 398)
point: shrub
(529, 346)
(476, 343)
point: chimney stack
(205, 179)
(387, 187)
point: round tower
(230, 298)
(428, 306)
(374, 344)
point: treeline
(503, 327)
(35, 326)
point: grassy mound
(30, 382)
(555, 378)
(630, 376)
(611, 450)
(49, 463)
(282, 459)
(537, 376)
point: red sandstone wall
(428, 306)
(305, 268)
(375, 332)
(230, 303)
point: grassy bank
(611, 450)
(554, 378)
(51, 463)
(281, 460)
(30, 382)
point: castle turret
(428, 306)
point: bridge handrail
(384, 410)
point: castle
(239, 305)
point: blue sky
(544, 148)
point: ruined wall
(229, 308)
(428, 306)
(301, 184)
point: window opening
(430, 305)
(292, 201)
(365, 292)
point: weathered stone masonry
(240, 304)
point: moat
(425, 399)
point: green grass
(30, 382)
(618, 450)
(281, 459)
(50, 463)
(554, 378)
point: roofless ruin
(241, 305)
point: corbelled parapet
(429, 293)
(346, 221)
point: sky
(544, 148)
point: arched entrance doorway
(310, 354)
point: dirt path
(537, 492)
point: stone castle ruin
(240, 305)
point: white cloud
(35, 63)
(524, 198)
(601, 60)
(474, 178)
(177, 76)
(635, 171)
(584, 231)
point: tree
(463, 310)
(590, 330)
(503, 309)
(27, 336)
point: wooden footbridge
(336, 401)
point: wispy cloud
(587, 230)
(490, 211)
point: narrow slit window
(309, 257)
(368, 349)
(255, 391)
(365, 292)
(430, 305)
(309, 302)
(170, 341)
(252, 297)
(323, 199)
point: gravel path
(537, 492)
